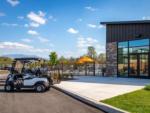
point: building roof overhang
(126, 22)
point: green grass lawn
(134, 102)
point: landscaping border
(99, 105)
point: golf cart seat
(18, 76)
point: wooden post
(59, 75)
(94, 68)
(86, 69)
(62, 67)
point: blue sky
(36, 27)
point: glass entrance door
(133, 65)
(138, 65)
(143, 64)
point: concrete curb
(101, 106)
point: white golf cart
(26, 80)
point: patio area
(100, 88)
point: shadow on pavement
(21, 91)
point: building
(128, 48)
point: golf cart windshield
(22, 65)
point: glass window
(122, 50)
(123, 59)
(143, 42)
(139, 49)
(122, 44)
(134, 46)
(123, 70)
(123, 65)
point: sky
(37, 27)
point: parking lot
(51, 101)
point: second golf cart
(26, 78)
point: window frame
(148, 40)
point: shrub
(66, 75)
(147, 87)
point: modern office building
(128, 48)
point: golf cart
(22, 78)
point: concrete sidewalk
(100, 88)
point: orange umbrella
(85, 59)
(79, 62)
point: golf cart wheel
(8, 88)
(18, 89)
(39, 88)
(47, 88)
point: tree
(53, 58)
(102, 58)
(63, 60)
(102, 61)
(91, 52)
(72, 60)
(54, 61)
(5, 61)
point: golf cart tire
(8, 88)
(18, 89)
(39, 88)
(47, 89)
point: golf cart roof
(28, 59)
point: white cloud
(44, 40)
(15, 46)
(90, 8)
(100, 26)
(38, 18)
(84, 43)
(33, 24)
(52, 18)
(10, 24)
(91, 25)
(26, 40)
(38, 37)
(146, 18)
(40, 50)
(20, 17)
(13, 2)
(2, 14)
(42, 14)
(32, 32)
(72, 31)
(95, 26)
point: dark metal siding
(124, 32)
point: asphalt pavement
(52, 101)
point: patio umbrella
(79, 62)
(85, 59)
